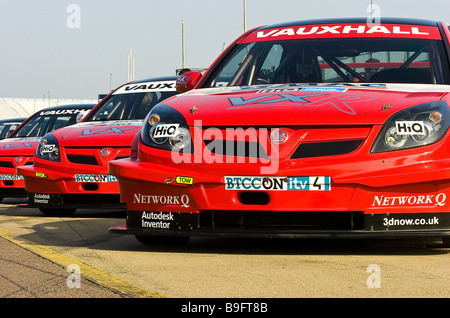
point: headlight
(48, 148)
(165, 128)
(414, 127)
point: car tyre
(446, 241)
(57, 212)
(162, 240)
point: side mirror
(186, 81)
(81, 115)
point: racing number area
(310, 129)
(70, 168)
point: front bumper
(255, 224)
(11, 184)
(48, 188)
(210, 205)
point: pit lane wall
(25, 107)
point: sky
(78, 49)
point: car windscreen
(380, 60)
(47, 121)
(7, 128)
(128, 106)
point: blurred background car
(7, 126)
(19, 148)
(70, 169)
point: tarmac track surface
(37, 250)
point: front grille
(236, 148)
(329, 148)
(299, 220)
(10, 164)
(87, 160)
(304, 141)
(6, 164)
(84, 160)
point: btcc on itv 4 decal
(318, 128)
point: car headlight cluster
(48, 148)
(414, 127)
(165, 128)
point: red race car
(330, 128)
(70, 169)
(19, 148)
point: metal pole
(182, 43)
(245, 15)
(130, 65)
